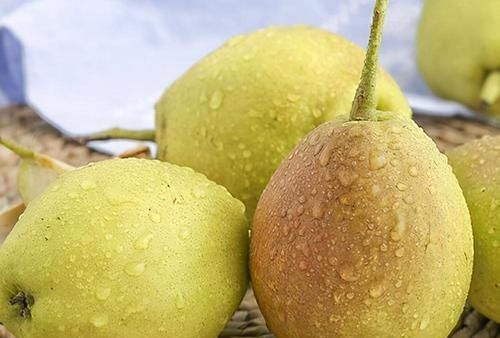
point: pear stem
(365, 101)
(490, 92)
(119, 133)
(17, 149)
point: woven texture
(24, 126)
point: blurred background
(83, 65)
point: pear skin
(363, 231)
(236, 114)
(125, 248)
(458, 48)
(477, 167)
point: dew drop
(314, 139)
(103, 293)
(216, 99)
(199, 192)
(155, 217)
(135, 269)
(399, 228)
(317, 113)
(143, 242)
(396, 130)
(248, 57)
(413, 171)
(346, 177)
(376, 290)
(425, 322)
(494, 204)
(350, 295)
(378, 160)
(246, 153)
(293, 97)
(399, 252)
(99, 320)
(317, 210)
(326, 153)
(180, 301)
(87, 185)
(184, 233)
(375, 190)
(408, 199)
(346, 272)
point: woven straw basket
(24, 126)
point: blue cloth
(11, 68)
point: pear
(363, 230)
(125, 248)
(477, 166)
(236, 114)
(458, 48)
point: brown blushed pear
(363, 231)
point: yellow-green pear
(363, 230)
(125, 248)
(236, 114)
(458, 51)
(477, 167)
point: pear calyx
(365, 103)
(25, 302)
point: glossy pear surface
(477, 166)
(363, 231)
(125, 248)
(458, 44)
(236, 114)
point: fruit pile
(344, 214)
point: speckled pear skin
(458, 42)
(362, 232)
(236, 114)
(477, 166)
(126, 248)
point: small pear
(363, 230)
(125, 248)
(477, 167)
(458, 48)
